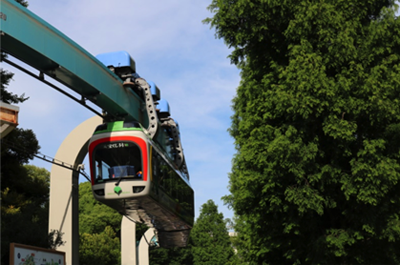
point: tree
(171, 256)
(99, 230)
(317, 129)
(24, 206)
(100, 248)
(211, 242)
(94, 216)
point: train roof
(118, 126)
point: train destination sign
(116, 145)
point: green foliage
(103, 248)
(24, 206)
(211, 242)
(99, 230)
(316, 125)
(94, 216)
(6, 96)
(171, 256)
(18, 147)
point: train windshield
(116, 160)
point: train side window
(170, 182)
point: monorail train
(142, 172)
(132, 174)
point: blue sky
(173, 48)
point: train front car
(131, 174)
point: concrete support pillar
(144, 246)
(64, 188)
(128, 242)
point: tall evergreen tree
(316, 124)
(210, 237)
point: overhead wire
(46, 158)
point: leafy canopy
(211, 242)
(24, 207)
(317, 129)
(99, 230)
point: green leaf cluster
(171, 256)
(210, 238)
(94, 216)
(99, 230)
(317, 129)
(101, 248)
(24, 206)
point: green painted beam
(35, 42)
